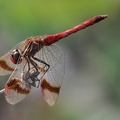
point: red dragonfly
(37, 62)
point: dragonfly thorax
(34, 48)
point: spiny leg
(41, 61)
(33, 72)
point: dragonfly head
(15, 56)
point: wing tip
(50, 97)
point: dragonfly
(37, 62)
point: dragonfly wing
(6, 65)
(52, 80)
(16, 88)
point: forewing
(16, 88)
(52, 80)
(6, 66)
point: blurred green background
(91, 86)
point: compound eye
(15, 57)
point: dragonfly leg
(31, 76)
(41, 61)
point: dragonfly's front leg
(44, 63)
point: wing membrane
(16, 88)
(52, 80)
